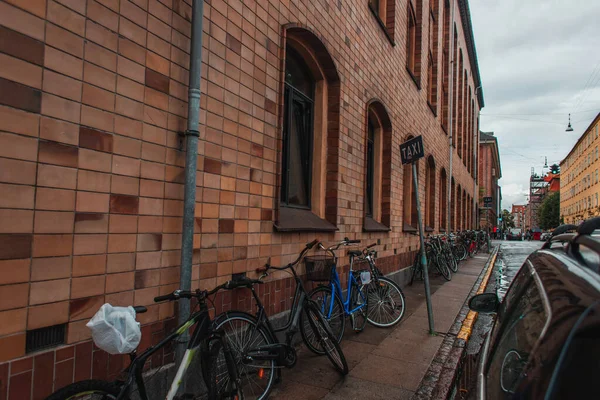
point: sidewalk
(387, 363)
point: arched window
(443, 200)
(309, 136)
(430, 194)
(452, 205)
(377, 168)
(464, 210)
(459, 210)
(413, 36)
(459, 120)
(445, 65)
(409, 197)
(432, 71)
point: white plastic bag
(115, 330)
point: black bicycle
(205, 342)
(257, 351)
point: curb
(442, 373)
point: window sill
(370, 225)
(444, 129)
(381, 24)
(414, 78)
(429, 229)
(301, 220)
(409, 228)
(432, 108)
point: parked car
(545, 341)
(514, 234)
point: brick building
(93, 95)
(518, 213)
(579, 188)
(489, 173)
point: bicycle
(205, 341)
(434, 259)
(242, 330)
(334, 307)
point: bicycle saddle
(355, 253)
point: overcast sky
(536, 58)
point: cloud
(535, 58)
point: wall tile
(58, 154)
(89, 265)
(20, 21)
(14, 246)
(95, 140)
(14, 271)
(56, 177)
(12, 347)
(49, 291)
(62, 85)
(97, 118)
(53, 222)
(119, 282)
(125, 185)
(17, 121)
(16, 146)
(64, 17)
(102, 15)
(52, 245)
(48, 315)
(43, 269)
(59, 131)
(36, 7)
(87, 286)
(100, 56)
(54, 199)
(20, 71)
(120, 262)
(19, 96)
(89, 244)
(16, 221)
(95, 160)
(93, 181)
(99, 98)
(132, 51)
(91, 222)
(100, 35)
(85, 308)
(62, 62)
(99, 76)
(60, 108)
(64, 40)
(13, 321)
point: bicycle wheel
(460, 251)
(359, 298)
(323, 332)
(451, 260)
(334, 314)
(386, 302)
(87, 390)
(243, 333)
(442, 267)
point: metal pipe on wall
(191, 161)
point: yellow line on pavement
(469, 321)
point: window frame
(370, 173)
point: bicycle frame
(202, 333)
(336, 287)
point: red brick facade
(92, 96)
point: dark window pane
(299, 154)
(370, 167)
(375, 4)
(297, 132)
(297, 73)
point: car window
(577, 373)
(516, 338)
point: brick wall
(92, 95)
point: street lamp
(569, 127)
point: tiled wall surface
(92, 95)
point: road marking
(469, 321)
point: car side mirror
(484, 303)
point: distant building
(579, 188)
(489, 174)
(518, 213)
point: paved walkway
(385, 363)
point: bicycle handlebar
(261, 270)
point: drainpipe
(476, 166)
(450, 110)
(191, 162)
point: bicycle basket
(318, 268)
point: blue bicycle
(330, 297)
